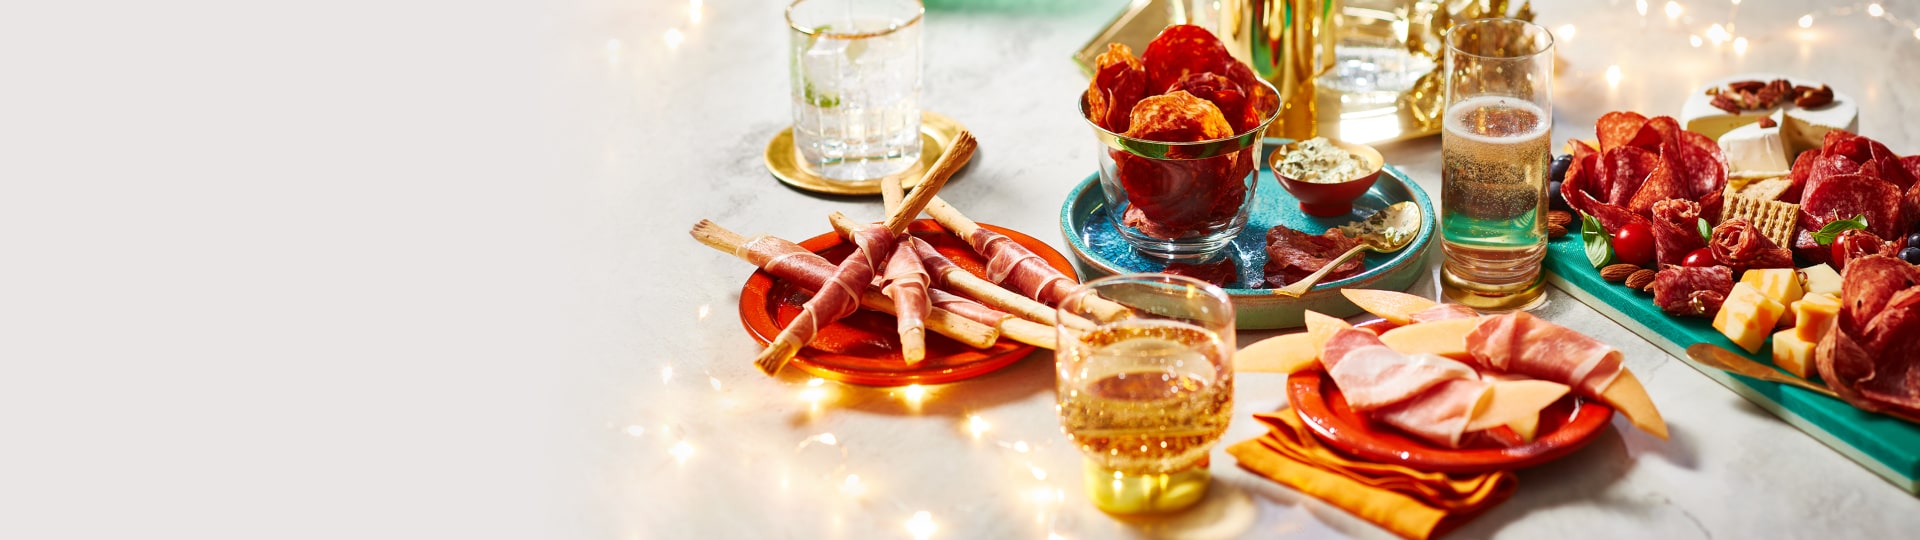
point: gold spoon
(1716, 357)
(1385, 231)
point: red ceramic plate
(864, 347)
(1565, 426)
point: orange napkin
(1412, 504)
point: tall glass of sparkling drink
(855, 69)
(1144, 396)
(1494, 150)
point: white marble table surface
(443, 287)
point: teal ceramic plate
(1098, 249)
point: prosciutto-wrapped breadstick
(837, 298)
(906, 283)
(951, 277)
(1012, 265)
(958, 318)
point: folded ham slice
(1527, 345)
(1425, 395)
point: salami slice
(1582, 182)
(1868, 285)
(1292, 255)
(1659, 130)
(1847, 195)
(1620, 128)
(1612, 218)
(1700, 166)
(1741, 246)
(1660, 186)
(1628, 168)
(1692, 291)
(1855, 244)
(1676, 230)
(1802, 169)
(1913, 165)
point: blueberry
(1911, 255)
(1554, 199)
(1558, 172)
(1913, 240)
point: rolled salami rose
(1740, 245)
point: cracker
(1775, 219)
(1766, 190)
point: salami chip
(1261, 101)
(1229, 96)
(1692, 291)
(1627, 169)
(1175, 198)
(1676, 230)
(1119, 83)
(1180, 50)
(1619, 128)
(1847, 195)
(1660, 186)
(1177, 117)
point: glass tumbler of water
(855, 69)
(1145, 396)
(1494, 156)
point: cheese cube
(1822, 279)
(1747, 317)
(1816, 314)
(1780, 284)
(1792, 353)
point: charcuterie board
(1887, 446)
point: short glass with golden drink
(1144, 396)
(1494, 151)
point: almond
(1555, 230)
(1618, 272)
(1649, 287)
(1559, 217)
(1641, 279)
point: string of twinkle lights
(1722, 34)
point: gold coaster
(783, 160)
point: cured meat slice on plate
(1292, 255)
(1622, 128)
(1692, 291)
(1429, 396)
(1740, 245)
(1374, 376)
(1676, 230)
(1527, 345)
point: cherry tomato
(1633, 244)
(1702, 257)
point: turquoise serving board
(1099, 250)
(1887, 446)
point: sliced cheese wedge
(1395, 307)
(1445, 338)
(1278, 354)
(1511, 402)
(1322, 326)
(1527, 427)
(1627, 396)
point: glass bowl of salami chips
(1179, 130)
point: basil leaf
(1706, 233)
(1826, 234)
(1599, 243)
